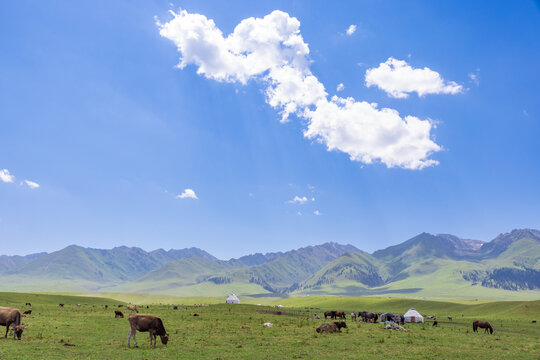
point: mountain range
(438, 266)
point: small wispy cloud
(317, 213)
(6, 177)
(298, 200)
(351, 30)
(31, 184)
(340, 87)
(475, 78)
(187, 194)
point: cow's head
(18, 330)
(341, 324)
(164, 339)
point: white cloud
(351, 30)
(398, 79)
(272, 51)
(298, 200)
(187, 194)
(31, 184)
(368, 134)
(317, 212)
(6, 177)
(340, 87)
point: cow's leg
(129, 336)
(151, 336)
(7, 330)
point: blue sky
(95, 111)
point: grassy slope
(216, 333)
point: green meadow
(92, 332)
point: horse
(368, 316)
(332, 314)
(482, 325)
(340, 314)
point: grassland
(216, 333)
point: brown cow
(132, 308)
(118, 314)
(150, 323)
(11, 317)
(61, 305)
(331, 327)
(27, 312)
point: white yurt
(233, 299)
(413, 316)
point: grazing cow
(482, 325)
(11, 317)
(118, 314)
(132, 308)
(534, 321)
(353, 316)
(331, 327)
(450, 318)
(27, 312)
(150, 323)
(28, 304)
(435, 323)
(196, 315)
(61, 305)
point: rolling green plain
(95, 333)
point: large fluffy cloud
(398, 79)
(5, 176)
(272, 51)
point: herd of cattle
(11, 318)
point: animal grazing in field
(175, 307)
(27, 312)
(61, 305)
(450, 318)
(132, 308)
(11, 317)
(353, 316)
(245, 327)
(534, 321)
(482, 325)
(120, 306)
(332, 327)
(368, 316)
(118, 314)
(332, 314)
(78, 305)
(106, 306)
(196, 315)
(144, 323)
(340, 314)
(28, 304)
(435, 323)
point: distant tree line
(506, 278)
